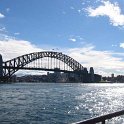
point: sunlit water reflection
(29, 103)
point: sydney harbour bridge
(45, 61)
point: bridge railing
(102, 118)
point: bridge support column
(1, 68)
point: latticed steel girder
(13, 65)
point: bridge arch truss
(13, 65)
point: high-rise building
(112, 75)
(91, 74)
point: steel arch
(13, 65)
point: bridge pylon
(1, 68)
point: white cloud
(79, 11)
(13, 48)
(72, 39)
(8, 9)
(63, 12)
(122, 45)
(2, 29)
(110, 10)
(16, 33)
(72, 7)
(75, 38)
(103, 62)
(1, 15)
(114, 45)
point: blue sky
(87, 30)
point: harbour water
(58, 103)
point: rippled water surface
(57, 103)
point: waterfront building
(64, 77)
(85, 76)
(97, 78)
(57, 76)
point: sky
(90, 31)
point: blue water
(57, 103)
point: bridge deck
(42, 69)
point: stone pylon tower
(1, 66)
(92, 74)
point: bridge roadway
(42, 69)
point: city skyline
(91, 32)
